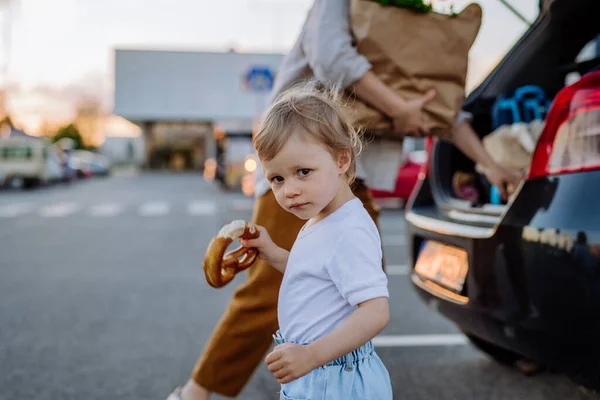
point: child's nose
(291, 190)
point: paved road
(102, 297)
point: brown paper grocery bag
(413, 52)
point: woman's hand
(267, 249)
(409, 119)
(467, 141)
(407, 115)
(505, 180)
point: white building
(123, 150)
(123, 142)
(178, 97)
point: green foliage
(452, 12)
(415, 5)
(70, 131)
(7, 120)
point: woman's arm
(467, 141)
(328, 46)
(407, 115)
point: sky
(58, 51)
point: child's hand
(289, 361)
(267, 249)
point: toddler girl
(334, 297)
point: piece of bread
(221, 268)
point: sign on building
(259, 79)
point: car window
(589, 52)
(500, 29)
(17, 153)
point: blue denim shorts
(359, 375)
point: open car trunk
(544, 56)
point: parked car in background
(238, 149)
(408, 173)
(522, 279)
(98, 164)
(87, 164)
(234, 163)
(33, 161)
(80, 166)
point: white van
(35, 161)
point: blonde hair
(312, 108)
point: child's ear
(344, 160)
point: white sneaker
(176, 395)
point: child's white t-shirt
(333, 266)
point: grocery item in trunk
(512, 146)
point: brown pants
(244, 334)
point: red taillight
(429, 142)
(570, 140)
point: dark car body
(531, 268)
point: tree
(69, 131)
(7, 120)
(90, 120)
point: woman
(324, 51)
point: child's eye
(303, 171)
(277, 179)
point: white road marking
(14, 210)
(201, 207)
(420, 340)
(154, 209)
(397, 269)
(59, 210)
(106, 210)
(242, 205)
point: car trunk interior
(543, 57)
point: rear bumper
(529, 288)
(571, 352)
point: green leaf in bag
(415, 5)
